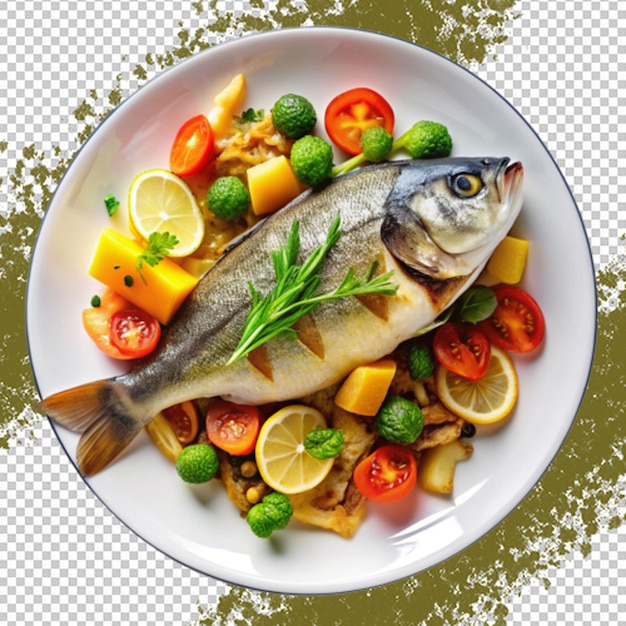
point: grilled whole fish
(434, 223)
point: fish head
(445, 216)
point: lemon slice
(484, 401)
(283, 462)
(159, 201)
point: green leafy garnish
(159, 246)
(324, 443)
(111, 203)
(475, 305)
(251, 115)
(294, 293)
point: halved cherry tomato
(135, 332)
(97, 323)
(463, 349)
(351, 112)
(192, 147)
(183, 418)
(388, 474)
(517, 324)
(233, 427)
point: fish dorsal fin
(408, 241)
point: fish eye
(466, 185)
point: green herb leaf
(476, 304)
(294, 293)
(324, 443)
(159, 246)
(111, 203)
(251, 115)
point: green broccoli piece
(197, 463)
(278, 508)
(273, 513)
(228, 197)
(421, 364)
(293, 116)
(376, 143)
(399, 420)
(425, 140)
(312, 160)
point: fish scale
(411, 215)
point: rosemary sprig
(294, 295)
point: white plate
(200, 527)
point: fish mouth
(510, 180)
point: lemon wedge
(159, 201)
(486, 400)
(282, 460)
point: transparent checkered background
(64, 558)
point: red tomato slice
(97, 323)
(183, 418)
(463, 349)
(192, 147)
(232, 427)
(351, 112)
(517, 324)
(135, 332)
(388, 474)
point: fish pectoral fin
(95, 411)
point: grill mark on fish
(260, 360)
(440, 291)
(309, 335)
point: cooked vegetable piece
(228, 198)
(351, 112)
(463, 349)
(517, 324)
(166, 285)
(197, 463)
(388, 474)
(293, 115)
(134, 332)
(164, 437)
(324, 443)
(425, 140)
(421, 364)
(437, 465)
(192, 147)
(272, 185)
(399, 420)
(232, 427)
(365, 388)
(312, 160)
(183, 418)
(226, 104)
(97, 323)
(272, 513)
(508, 261)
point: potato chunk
(437, 465)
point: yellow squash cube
(508, 261)
(365, 388)
(272, 185)
(166, 285)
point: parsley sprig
(159, 246)
(293, 295)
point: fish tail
(97, 410)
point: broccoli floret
(260, 522)
(278, 508)
(376, 143)
(293, 116)
(421, 364)
(425, 140)
(197, 463)
(312, 160)
(228, 198)
(273, 513)
(399, 420)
